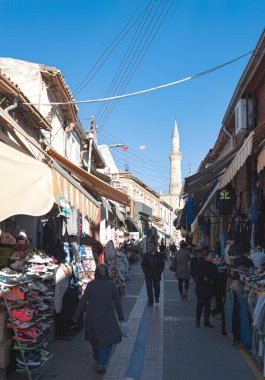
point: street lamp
(116, 146)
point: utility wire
(119, 37)
(139, 159)
(136, 154)
(195, 76)
(114, 86)
(121, 157)
(140, 57)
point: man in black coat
(206, 275)
(153, 265)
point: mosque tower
(175, 170)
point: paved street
(165, 343)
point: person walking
(205, 277)
(182, 273)
(153, 265)
(101, 326)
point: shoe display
(30, 358)
(19, 325)
(14, 294)
(38, 286)
(22, 315)
(7, 281)
(6, 271)
(37, 268)
(44, 354)
(24, 337)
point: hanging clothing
(225, 200)
(62, 277)
(190, 210)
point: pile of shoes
(32, 319)
(29, 291)
(34, 359)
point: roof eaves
(250, 68)
(14, 90)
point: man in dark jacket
(206, 276)
(153, 265)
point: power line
(130, 51)
(142, 157)
(87, 80)
(195, 76)
(141, 54)
(123, 155)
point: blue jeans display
(245, 333)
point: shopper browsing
(101, 327)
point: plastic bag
(173, 264)
(125, 330)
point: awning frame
(90, 181)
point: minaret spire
(175, 138)
(175, 168)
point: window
(117, 184)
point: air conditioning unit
(244, 115)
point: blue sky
(195, 35)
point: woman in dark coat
(206, 274)
(101, 327)
(182, 273)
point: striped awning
(237, 162)
(91, 182)
(62, 187)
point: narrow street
(165, 343)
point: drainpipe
(230, 137)
(13, 106)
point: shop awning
(64, 186)
(118, 212)
(26, 184)
(238, 161)
(200, 179)
(133, 223)
(91, 182)
(208, 202)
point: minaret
(175, 169)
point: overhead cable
(195, 76)
(127, 64)
(97, 66)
